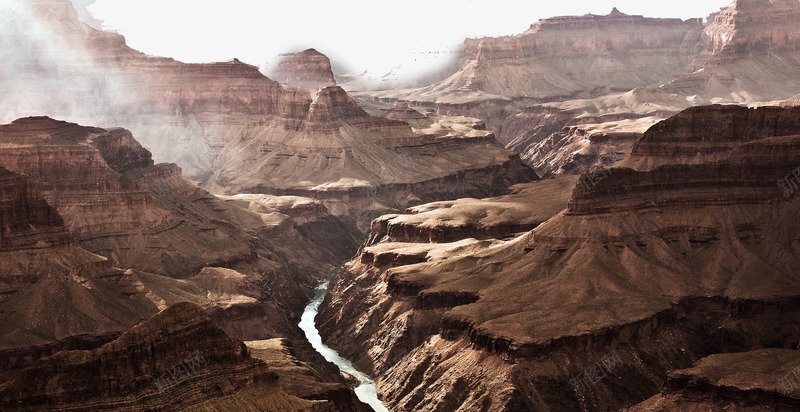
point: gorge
(598, 213)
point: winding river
(365, 391)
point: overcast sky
(359, 35)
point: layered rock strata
(748, 381)
(226, 124)
(117, 203)
(566, 72)
(308, 69)
(640, 273)
(178, 359)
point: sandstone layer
(178, 359)
(308, 69)
(535, 88)
(639, 273)
(234, 129)
(747, 381)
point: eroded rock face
(27, 221)
(652, 270)
(226, 124)
(176, 359)
(308, 69)
(748, 381)
(117, 203)
(534, 90)
(709, 133)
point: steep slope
(229, 116)
(535, 89)
(640, 273)
(42, 270)
(308, 69)
(117, 203)
(178, 359)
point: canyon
(573, 93)
(463, 306)
(97, 239)
(595, 214)
(233, 129)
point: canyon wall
(626, 275)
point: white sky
(359, 35)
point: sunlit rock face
(634, 270)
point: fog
(44, 73)
(381, 39)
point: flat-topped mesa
(594, 55)
(614, 18)
(309, 69)
(758, 26)
(27, 221)
(575, 35)
(709, 133)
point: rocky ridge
(308, 69)
(657, 268)
(177, 359)
(229, 126)
(532, 91)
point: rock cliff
(178, 359)
(536, 88)
(640, 273)
(308, 69)
(756, 380)
(226, 124)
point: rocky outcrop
(539, 91)
(225, 124)
(586, 147)
(27, 221)
(755, 380)
(308, 69)
(642, 272)
(176, 359)
(709, 133)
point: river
(365, 391)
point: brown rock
(642, 266)
(309, 69)
(176, 359)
